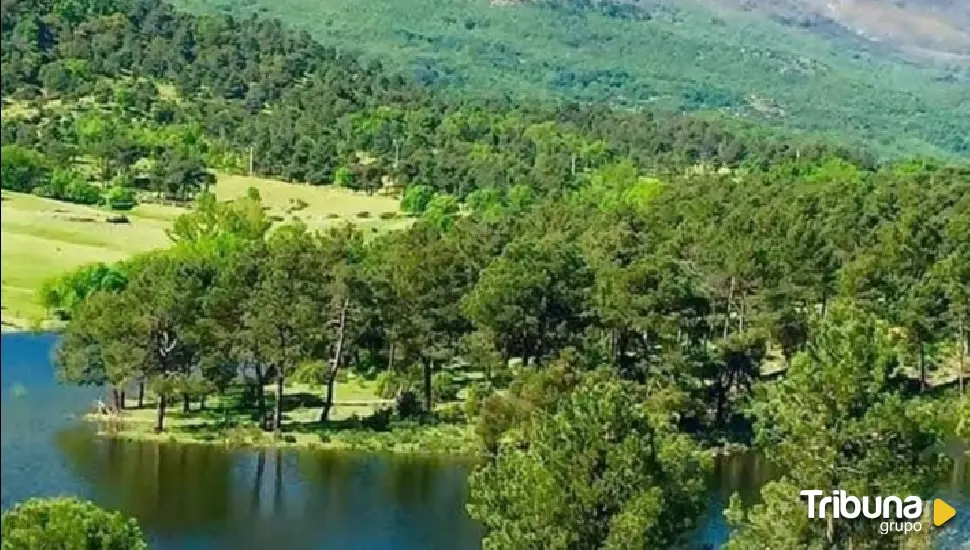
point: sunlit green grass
(227, 421)
(42, 238)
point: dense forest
(757, 60)
(637, 288)
(159, 91)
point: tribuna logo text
(850, 507)
(841, 505)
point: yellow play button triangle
(942, 512)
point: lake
(206, 497)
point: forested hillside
(810, 73)
(922, 30)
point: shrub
(69, 523)
(363, 214)
(21, 169)
(120, 198)
(388, 215)
(498, 415)
(451, 413)
(82, 192)
(389, 384)
(444, 387)
(298, 204)
(380, 421)
(416, 199)
(408, 405)
(354, 422)
(476, 396)
(441, 211)
(344, 177)
(332, 215)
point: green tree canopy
(68, 524)
(605, 469)
(837, 421)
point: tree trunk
(922, 368)
(390, 357)
(335, 362)
(328, 401)
(727, 309)
(741, 316)
(160, 414)
(964, 351)
(202, 402)
(186, 403)
(428, 367)
(261, 398)
(114, 398)
(141, 394)
(278, 412)
(121, 400)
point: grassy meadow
(42, 238)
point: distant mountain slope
(679, 54)
(937, 30)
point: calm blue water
(204, 497)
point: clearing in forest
(43, 237)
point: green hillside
(681, 58)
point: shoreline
(457, 441)
(408, 439)
(15, 325)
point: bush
(344, 177)
(354, 422)
(498, 415)
(408, 405)
(389, 384)
(416, 199)
(21, 169)
(451, 413)
(332, 215)
(380, 421)
(363, 214)
(82, 192)
(69, 185)
(69, 523)
(477, 394)
(388, 215)
(441, 211)
(444, 387)
(120, 198)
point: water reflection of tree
(416, 499)
(169, 488)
